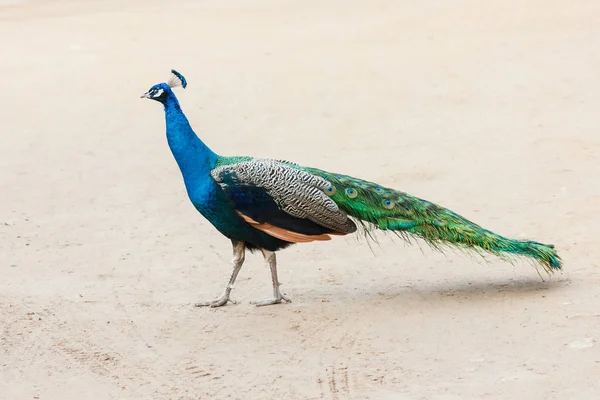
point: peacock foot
(221, 301)
(274, 300)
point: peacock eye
(389, 204)
(330, 191)
(352, 193)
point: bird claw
(221, 301)
(275, 300)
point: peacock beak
(145, 96)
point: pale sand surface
(487, 108)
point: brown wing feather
(284, 234)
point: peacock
(268, 204)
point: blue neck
(194, 158)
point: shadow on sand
(473, 290)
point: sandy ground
(491, 110)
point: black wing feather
(258, 204)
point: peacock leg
(277, 296)
(239, 250)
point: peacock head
(161, 91)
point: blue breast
(196, 160)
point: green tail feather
(389, 209)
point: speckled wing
(265, 189)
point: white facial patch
(158, 93)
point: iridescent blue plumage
(196, 160)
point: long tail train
(389, 209)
